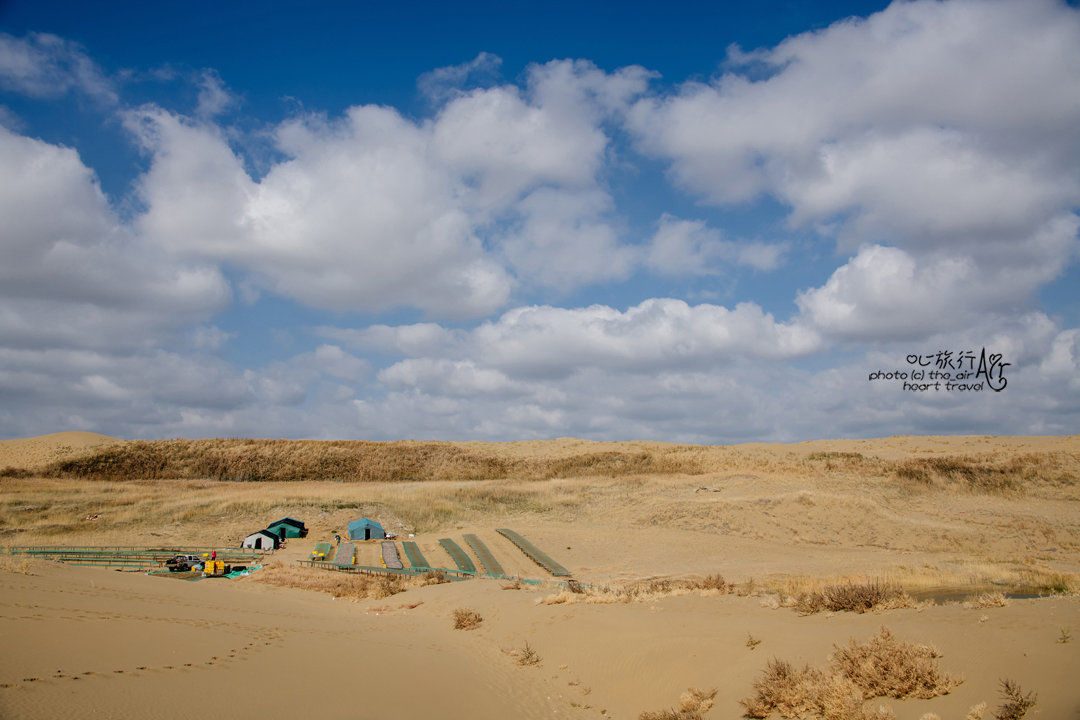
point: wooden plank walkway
(536, 554)
(390, 556)
(491, 565)
(416, 558)
(458, 555)
(345, 554)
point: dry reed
(692, 706)
(466, 619)
(883, 666)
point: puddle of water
(963, 594)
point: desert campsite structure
(262, 540)
(288, 527)
(365, 529)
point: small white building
(261, 540)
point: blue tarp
(365, 529)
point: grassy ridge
(352, 461)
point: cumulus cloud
(74, 275)
(373, 211)
(946, 131)
(935, 144)
(690, 247)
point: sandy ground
(41, 450)
(86, 642)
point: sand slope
(36, 451)
(132, 646)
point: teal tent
(365, 529)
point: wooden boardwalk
(458, 555)
(345, 554)
(491, 565)
(416, 558)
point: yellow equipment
(214, 567)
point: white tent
(261, 540)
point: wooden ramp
(536, 554)
(345, 554)
(390, 557)
(416, 558)
(458, 555)
(491, 565)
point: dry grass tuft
(20, 565)
(752, 642)
(692, 706)
(337, 584)
(976, 712)
(638, 591)
(854, 597)
(986, 600)
(1065, 636)
(1015, 702)
(881, 667)
(884, 666)
(466, 619)
(526, 655)
(434, 577)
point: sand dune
(769, 517)
(37, 451)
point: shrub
(883, 666)
(466, 619)
(1016, 703)
(691, 705)
(853, 597)
(527, 656)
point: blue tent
(364, 529)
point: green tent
(287, 528)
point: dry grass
(990, 474)
(1015, 702)
(883, 666)
(526, 656)
(639, 591)
(987, 600)
(353, 461)
(18, 564)
(854, 597)
(466, 619)
(434, 577)
(692, 706)
(337, 584)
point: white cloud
(73, 274)
(46, 66)
(690, 247)
(565, 240)
(445, 82)
(948, 131)
(214, 98)
(653, 335)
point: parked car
(183, 563)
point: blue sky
(703, 222)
